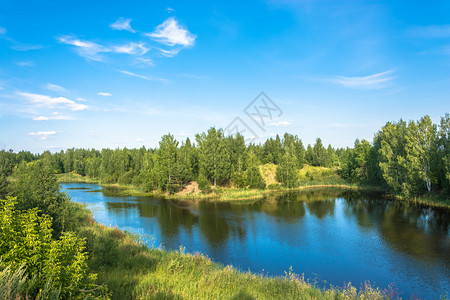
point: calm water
(330, 236)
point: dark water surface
(331, 236)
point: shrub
(274, 186)
(204, 184)
(26, 241)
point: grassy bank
(309, 178)
(131, 270)
(438, 200)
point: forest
(408, 158)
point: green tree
(287, 172)
(420, 141)
(254, 179)
(393, 155)
(35, 186)
(319, 154)
(212, 155)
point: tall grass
(131, 270)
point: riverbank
(216, 193)
(132, 270)
(435, 200)
(225, 194)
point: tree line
(410, 158)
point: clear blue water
(332, 237)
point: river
(332, 236)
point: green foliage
(212, 154)
(143, 273)
(26, 241)
(274, 186)
(35, 186)
(287, 172)
(239, 180)
(413, 156)
(410, 159)
(204, 184)
(253, 178)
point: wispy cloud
(169, 53)
(370, 82)
(143, 61)
(171, 33)
(281, 124)
(96, 51)
(25, 63)
(122, 24)
(53, 102)
(25, 47)
(131, 48)
(431, 31)
(135, 75)
(54, 87)
(54, 116)
(81, 99)
(43, 135)
(104, 94)
(170, 10)
(444, 50)
(41, 118)
(2, 30)
(144, 77)
(89, 50)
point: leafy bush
(274, 186)
(204, 184)
(26, 242)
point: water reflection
(335, 235)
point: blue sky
(121, 74)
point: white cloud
(140, 140)
(43, 135)
(131, 48)
(371, 82)
(171, 33)
(281, 124)
(40, 118)
(2, 30)
(53, 102)
(432, 31)
(169, 10)
(54, 116)
(54, 87)
(81, 99)
(94, 51)
(122, 24)
(89, 50)
(135, 75)
(144, 61)
(104, 94)
(169, 53)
